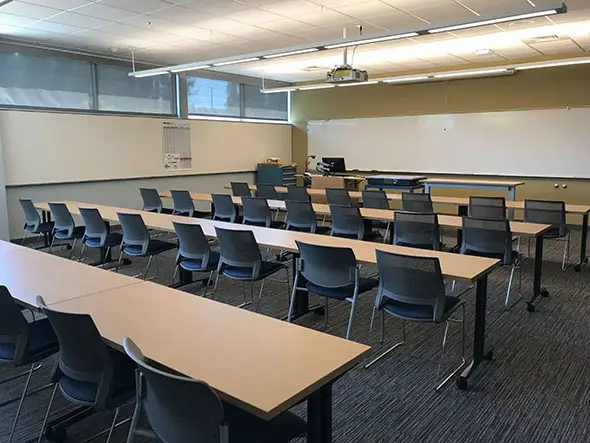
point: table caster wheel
(530, 308)
(56, 434)
(462, 383)
(544, 293)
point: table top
(454, 266)
(28, 273)
(255, 362)
(473, 181)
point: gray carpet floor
(536, 389)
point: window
(213, 97)
(265, 106)
(119, 92)
(44, 82)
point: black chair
(88, 373)
(194, 252)
(65, 228)
(23, 344)
(137, 242)
(241, 260)
(184, 410)
(348, 222)
(302, 218)
(377, 199)
(416, 230)
(297, 193)
(492, 208)
(152, 201)
(258, 213)
(550, 213)
(97, 234)
(332, 273)
(240, 189)
(412, 288)
(267, 191)
(414, 202)
(338, 197)
(184, 205)
(33, 223)
(224, 208)
(492, 239)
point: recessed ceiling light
(484, 51)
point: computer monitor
(337, 164)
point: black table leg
(186, 278)
(537, 289)
(462, 211)
(302, 296)
(319, 415)
(479, 333)
(583, 257)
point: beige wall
(534, 89)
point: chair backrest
(225, 209)
(179, 409)
(266, 191)
(375, 199)
(240, 189)
(487, 207)
(32, 217)
(297, 193)
(240, 249)
(414, 202)
(416, 230)
(301, 216)
(347, 222)
(338, 196)
(135, 232)
(192, 243)
(183, 202)
(96, 228)
(546, 212)
(83, 355)
(14, 328)
(327, 266)
(151, 200)
(256, 211)
(412, 280)
(63, 218)
(487, 237)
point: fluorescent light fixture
(320, 86)
(492, 21)
(550, 64)
(371, 82)
(372, 40)
(285, 54)
(483, 51)
(189, 68)
(473, 73)
(149, 74)
(275, 90)
(406, 79)
(234, 62)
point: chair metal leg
(47, 413)
(507, 304)
(22, 243)
(442, 351)
(113, 425)
(288, 287)
(20, 404)
(529, 247)
(372, 319)
(137, 410)
(463, 361)
(259, 295)
(565, 263)
(82, 250)
(292, 303)
(326, 313)
(208, 283)
(386, 232)
(246, 302)
(176, 268)
(147, 267)
(215, 285)
(453, 287)
(349, 329)
(22, 374)
(52, 242)
(381, 339)
(73, 248)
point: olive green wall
(533, 89)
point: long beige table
(453, 266)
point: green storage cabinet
(277, 175)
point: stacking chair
(33, 223)
(338, 197)
(152, 201)
(297, 193)
(414, 202)
(87, 372)
(267, 191)
(302, 218)
(551, 213)
(184, 410)
(412, 289)
(65, 228)
(416, 230)
(258, 213)
(224, 208)
(493, 208)
(378, 200)
(241, 260)
(23, 344)
(492, 239)
(332, 273)
(97, 233)
(240, 189)
(347, 222)
(194, 252)
(183, 205)
(137, 242)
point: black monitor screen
(336, 164)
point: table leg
(186, 278)
(512, 197)
(583, 257)
(479, 333)
(462, 211)
(537, 289)
(319, 415)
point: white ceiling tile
(398, 21)
(366, 9)
(288, 26)
(140, 6)
(335, 3)
(180, 14)
(220, 24)
(556, 47)
(292, 8)
(29, 10)
(486, 7)
(253, 16)
(105, 12)
(120, 29)
(216, 7)
(60, 28)
(324, 18)
(79, 20)
(14, 20)
(442, 14)
(60, 4)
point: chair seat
(496, 255)
(123, 384)
(41, 229)
(111, 240)
(365, 284)
(78, 232)
(247, 428)
(240, 273)
(155, 247)
(417, 312)
(42, 343)
(196, 264)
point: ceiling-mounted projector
(346, 74)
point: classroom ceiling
(170, 32)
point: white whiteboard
(543, 143)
